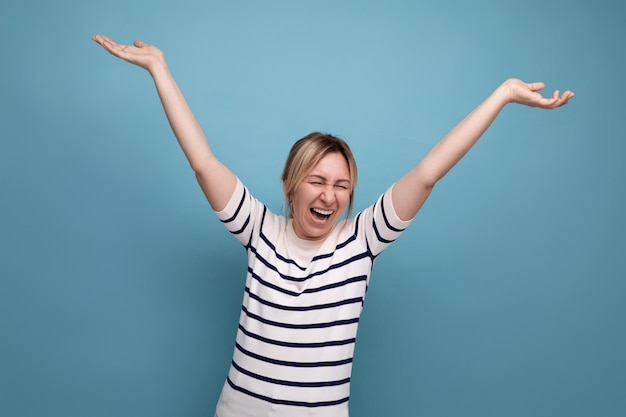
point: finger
(140, 44)
(105, 38)
(112, 47)
(557, 100)
(536, 86)
(548, 103)
(565, 98)
(106, 44)
(98, 39)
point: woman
(308, 271)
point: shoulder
(379, 223)
(246, 216)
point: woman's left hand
(528, 94)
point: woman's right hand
(140, 53)
(215, 179)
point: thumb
(537, 86)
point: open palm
(528, 94)
(139, 53)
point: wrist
(158, 67)
(503, 93)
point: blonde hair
(303, 157)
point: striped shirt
(301, 308)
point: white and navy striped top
(301, 308)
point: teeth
(323, 212)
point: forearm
(443, 156)
(411, 191)
(215, 179)
(184, 124)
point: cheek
(300, 199)
(345, 199)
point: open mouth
(321, 215)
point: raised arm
(412, 190)
(215, 179)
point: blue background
(120, 291)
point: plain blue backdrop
(120, 291)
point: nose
(328, 195)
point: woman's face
(321, 198)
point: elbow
(429, 178)
(425, 176)
(201, 173)
(428, 182)
(202, 166)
